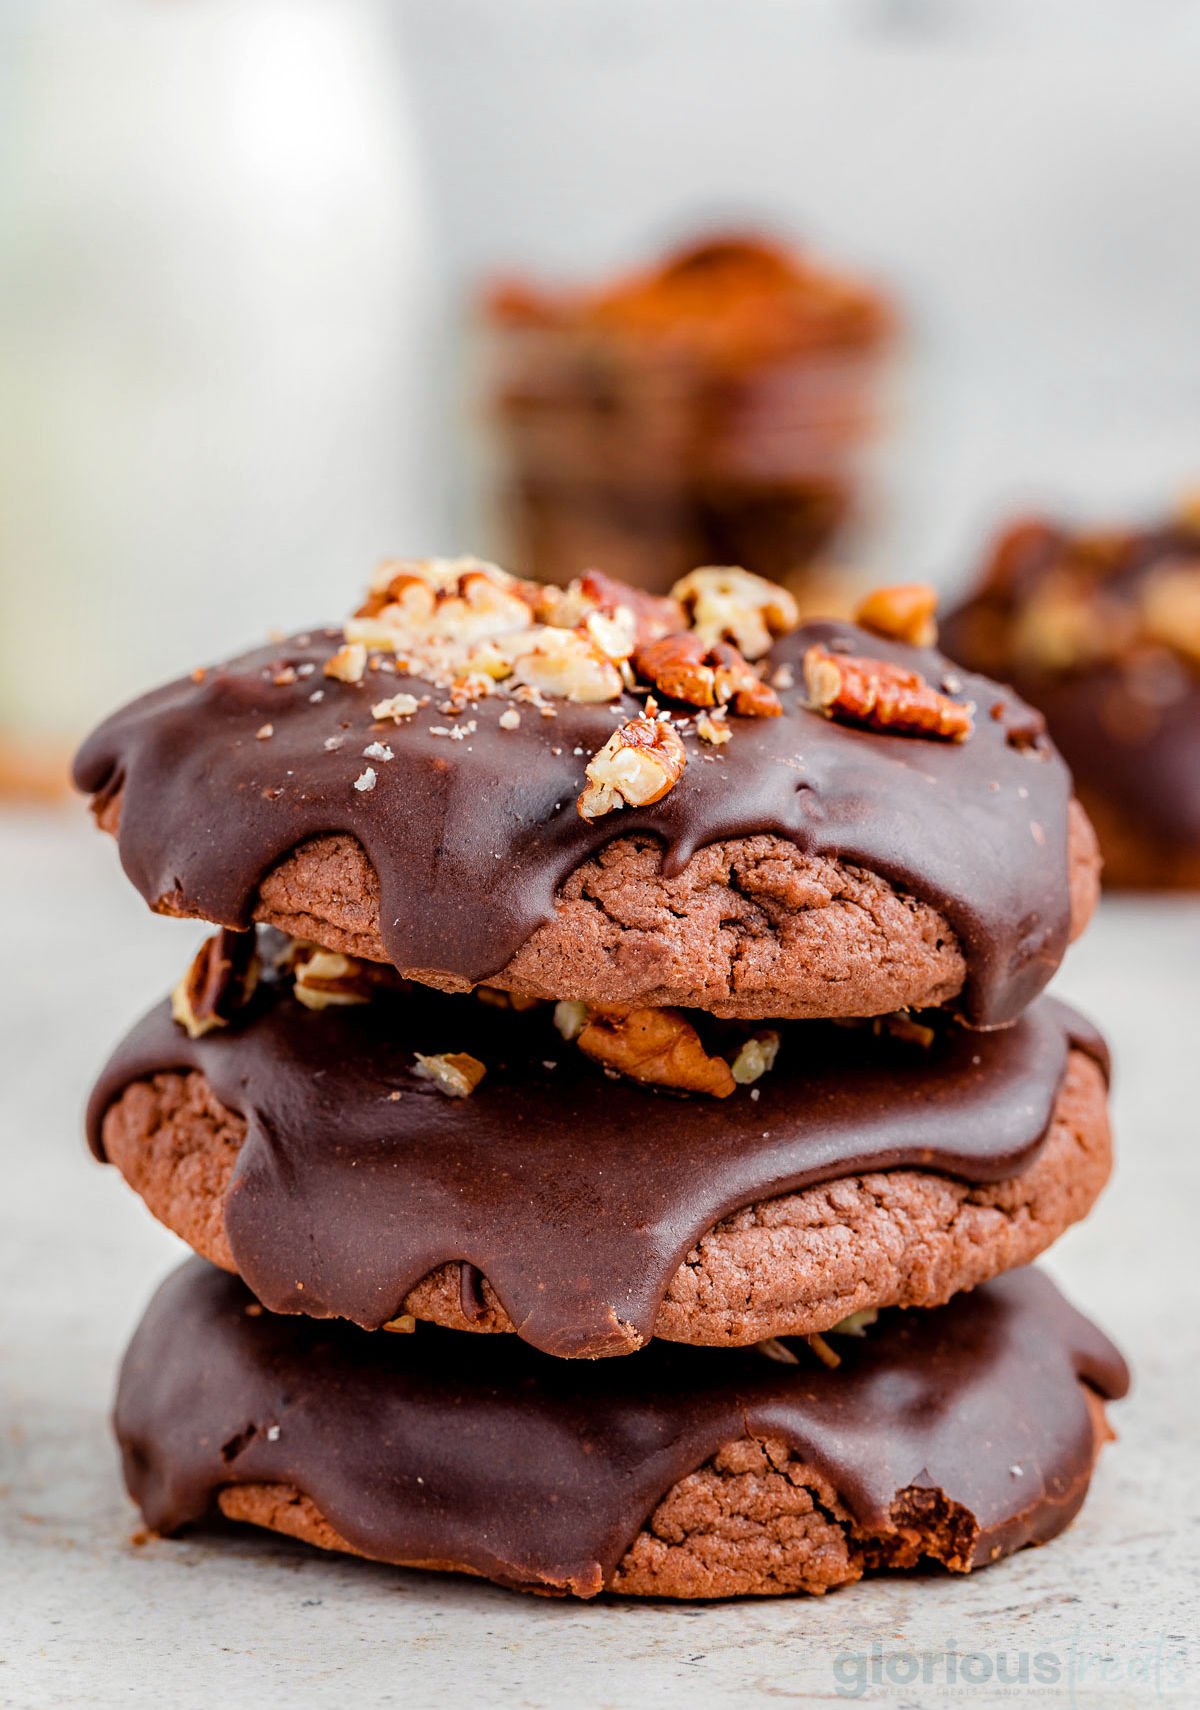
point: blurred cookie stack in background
(714, 408)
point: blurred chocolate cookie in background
(1100, 629)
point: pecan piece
(907, 612)
(658, 1046)
(568, 663)
(706, 674)
(220, 981)
(456, 1073)
(325, 979)
(725, 603)
(882, 697)
(640, 762)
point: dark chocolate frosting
(577, 1195)
(472, 838)
(440, 1447)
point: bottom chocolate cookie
(954, 1436)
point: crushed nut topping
(570, 1017)
(828, 1356)
(778, 1351)
(711, 727)
(755, 1058)
(706, 674)
(642, 760)
(456, 1073)
(724, 603)
(882, 697)
(463, 600)
(348, 664)
(325, 979)
(907, 612)
(220, 981)
(510, 719)
(402, 1326)
(566, 663)
(366, 779)
(659, 1046)
(905, 1027)
(396, 707)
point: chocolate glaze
(471, 839)
(440, 1447)
(1137, 743)
(578, 1196)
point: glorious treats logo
(1069, 1672)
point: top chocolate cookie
(590, 793)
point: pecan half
(706, 674)
(725, 603)
(220, 981)
(658, 1046)
(907, 612)
(640, 762)
(882, 697)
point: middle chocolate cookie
(440, 1157)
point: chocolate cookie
(905, 839)
(1102, 632)
(955, 1436)
(319, 1155)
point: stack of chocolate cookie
(623, 1008)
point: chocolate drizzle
(440, 1447)
(576, 1195)
(472, 838)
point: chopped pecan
(652, 615)
(706, 674)
(882, 697)
(725, 603)
(456, 1073)
(325, 979)
(348, 664)
(640, 762)
(395, 707)
(907, 612)
(566, 663)
(459, 600)
(755, 1058)
(659, 1046)
(220, 981)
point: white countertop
(1104, 1616)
